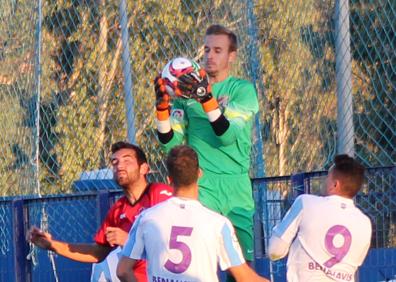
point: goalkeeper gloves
(196, 86)
(162, 99)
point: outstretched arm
(79, 252)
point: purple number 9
(341, 251)
(182, 247)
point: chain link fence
(76, 218)
(6, 249)
(274, 196)
(69, 88)
(70, 219)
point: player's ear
(337, 185)
(200, 173)
(232, 57)
(144, 168)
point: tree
(297, 57)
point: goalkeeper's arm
(162, 106)
(237, 115)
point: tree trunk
(283, 136)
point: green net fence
(69, 88)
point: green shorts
(231, 196)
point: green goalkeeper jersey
(228, 153)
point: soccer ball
(175, 68)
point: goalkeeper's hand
(162, 98)
(195, 85)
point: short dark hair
(350, 173)
(217, 29)
(183, 166)
(140, 155)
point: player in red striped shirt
(130, 168)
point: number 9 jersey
(328, 238)
(183, 241)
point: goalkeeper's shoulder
(240, 86)
(243, 93)
(240, 82)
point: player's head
(220, 47)
(183, 167)
(345, 177)
(129, 164)
(216, 29)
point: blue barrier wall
(75, 218)
(6, 245)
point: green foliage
(17, 99)
(82, 104)
(373, 49)
(297, 58)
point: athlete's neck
(217, 77)
(135, 190)
(187, 192)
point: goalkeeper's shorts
(231, 196)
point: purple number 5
(185, 262)
(341, 251)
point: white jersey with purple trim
(184, 241)
(107, 269)
(329, 238)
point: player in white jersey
(328, 236)
(180, 238)
(106, 270)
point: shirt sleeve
(240, 112)
(178, 122)
(134, 246)
(285, 231)
(230, 253)
(159, 192)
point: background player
(329, 236)
(181, 239)
(129, 169)
(218, 126)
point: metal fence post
(345, 128)
(19, 241)
(254, 73)
(36, 111)
(126, 68)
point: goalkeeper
(217, 122)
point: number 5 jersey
(183, 241)
(328, 238)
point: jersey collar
(344, 200)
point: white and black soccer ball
(175, 68)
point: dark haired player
(130, 168)
(328, 236)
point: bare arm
(124, 269)
(243, 273)
(78, 252)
